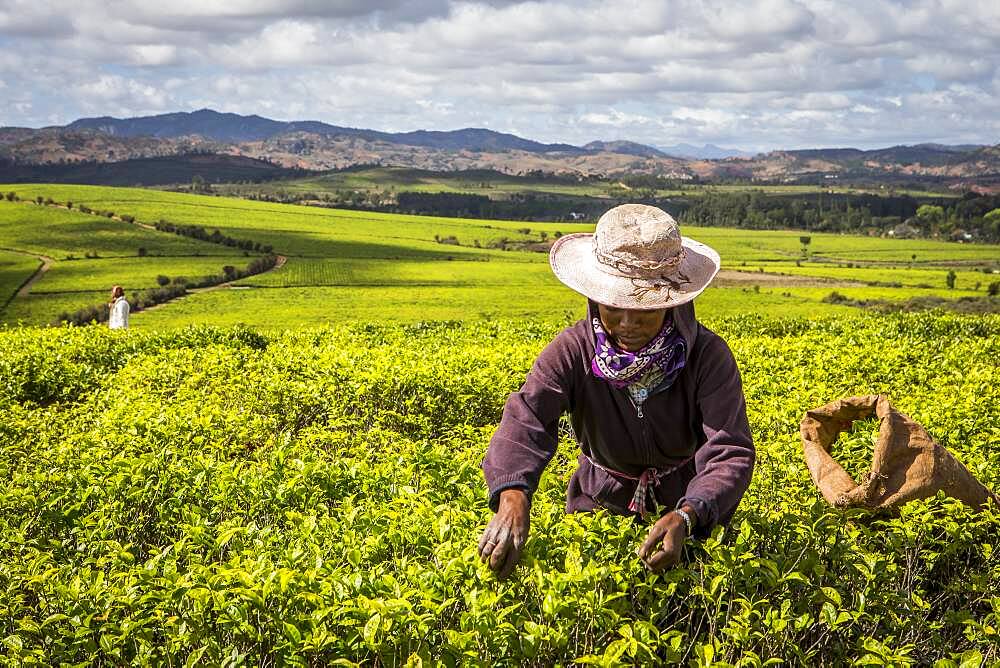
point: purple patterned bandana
(656, 365)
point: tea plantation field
(207, 496)
(348, 266)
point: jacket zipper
(644, 433)
(638, 406)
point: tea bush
(220, 497)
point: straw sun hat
(635, 259)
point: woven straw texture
(636, 259)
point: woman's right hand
(506, 534)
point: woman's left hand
(663, 545)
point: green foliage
(219, 496)
(930, 214)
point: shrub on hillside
(836, 298)
(87, 315)
(215, 237)
(168, 290)
(156, 296)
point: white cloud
(615, 119)
(127, 94)
(761, 72)
(952, 67)
(153, 54)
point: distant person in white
(118, 315)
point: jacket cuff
(494, 498)
(705, 519)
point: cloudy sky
(753, 74)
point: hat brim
(574, 263)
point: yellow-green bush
(211, 496)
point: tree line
(972, 216)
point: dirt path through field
(279, 263)
(47, 263)
(741, 279)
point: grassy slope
(75, 281)
(316, 232)
(132, 273)
(292, 230)
(333, 272)
(43, 309)
(334, 252)
(59, 233)
(15, 269)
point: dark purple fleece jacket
(699, 423)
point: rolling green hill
(349, 265)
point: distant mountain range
(705, 152)
(233, 128)
(315, 145)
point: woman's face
(631, 329)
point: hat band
(645, 269)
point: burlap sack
(907, 463)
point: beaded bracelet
(687, 520)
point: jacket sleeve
(529, 431)
(725, 461)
